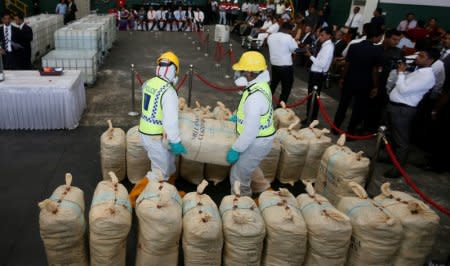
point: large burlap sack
(206, 140)
(159, 213)
(192, 171)
(376, 233)
(216, 173)
(329, 230)
(243, 230)
(202, 229)
(420, 225)
(269, 164)
(62, 226)
(318, 143)
(284, 117)
(138, 163)
(340, 165)
(109, 223)
(113, 152)
(285, 242)
(294, 149)
(220, 112)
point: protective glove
(233, 118)
(232, 156)
(177, 148)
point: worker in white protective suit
(254, 120)
(160, 119)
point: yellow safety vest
(266, 125)
(152, 113)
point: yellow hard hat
(251, 61)
(171, 57)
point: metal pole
(133, 78)
(207, 43)
(380, 136)
(230, 50)
(191, 80)
(313, 103)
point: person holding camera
(404, 98)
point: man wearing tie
(24, 38)
(7, 35)
(354, 21)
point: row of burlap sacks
(394, 228)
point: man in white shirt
(408, 91)
(319, 69)
(405, 42)
(281, 47)
(159, 17)
(355, 21)
(199, 17)
(151, 18)
(408, 23)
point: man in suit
(23, 39)
(71, 10)
(8, 46)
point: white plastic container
(84, 60)
(222, 33)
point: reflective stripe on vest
(152, 113)
(266, 125)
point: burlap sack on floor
(216, 173)
(138, 163)
(329, 230)
(285, 242)
(113, 152)
(269, 164)
(420, 225)
(243, 230)
(284, 117)
(340, 165)
(376, 233)
(202, 229)
(109, 223)
(206, 140)
(294, 149)
(220, 112)
(192, 171)
(159, 214)
(318, 143)
(62, 226)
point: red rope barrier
(294, 104)
(138, 77)
(327, 118)
(411, 183)
(180, 84)
(232, 58)
(215, 86)
(219, 52)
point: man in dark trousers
(71, 11)
(360, 79)
(23, 39)
(391, 57)
(8, 33)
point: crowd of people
(15, 42)
(68, 9)
(398, 76)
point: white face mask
(241, 82)
(168, 73)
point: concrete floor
(33, 163)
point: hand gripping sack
(138, 163)
(62, 226)
(420, 225)
(216, 173)
(192, 171)
(318, 143)
(113, 152)
(284, 117)
(285, 242)
(339, 166)
(294, 149)
(202, 229)
(329, 230)
(109, 223)
(376, 233)
(243, 230)
(206, 140)
(220, 112)
(269, 164)
(159, 213)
